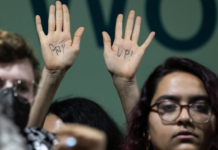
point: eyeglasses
(22, 87)
(169, 111)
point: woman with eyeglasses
(177, 109)
(178, 105)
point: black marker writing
(126, 53)
(56, 48)
(118, 52)
(51, 47)
(131, 53)
(63, 48)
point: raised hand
(124, 56)
(59, 53)
(58, 49)
(80, 137)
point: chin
(187, 146)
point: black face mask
(15, 107)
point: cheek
(214, 123)
(208, 130)
(160, 134)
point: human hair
(137, 136)
(84, 111)
(14, 47)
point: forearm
(128, 92)
(46, 91)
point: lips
(185, 134)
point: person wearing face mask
(19, 75)
(178, 105)
(59, 52)
(20, 69)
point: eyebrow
(199, 97)
(23, 79)
(170, 97)
(177, 98)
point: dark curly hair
(138, 124)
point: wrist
(54, 73)
(124, 80)
(51, 77)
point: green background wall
(181, 19)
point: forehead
(19, 69)
(179, 84)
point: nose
(184, 116)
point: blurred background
(183, 28)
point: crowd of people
(177, 108)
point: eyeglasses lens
(199, 112)
(169, 111)
(22, 87)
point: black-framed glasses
(199, 112)
(24, 88)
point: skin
(184, 86)
(122, 59)
(52, 123)
(87, 138)
(59, 51)
(19, 69)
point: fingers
(66, 143)
(118, 27)
(39, 27)
(136, 31)
(129, 25)
(107, 41)
(66, 25)
(51, 19)
(59, 16)
(71, 128)
(77, 37)
(147, 42)
(62, 18)
(81, 137)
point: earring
(190, 120)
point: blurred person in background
(86, 112)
